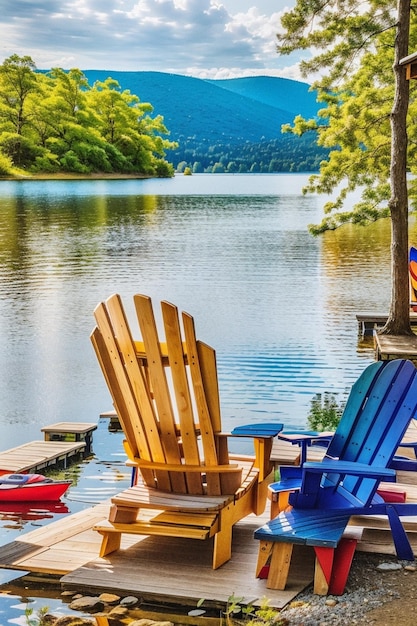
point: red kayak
(31, 488)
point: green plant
(239, 614)
(37, 619)
(325, 411)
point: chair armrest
(257, 430)
(183, 467)
(263, 436)
(308, 437)
(403, 463)
(348, 468)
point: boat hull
(34, 493)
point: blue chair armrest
(258, 430)
(403, 463)
(349, 468)
(306, 438)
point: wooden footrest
(166, 524)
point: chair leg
(222, 550)
(399, 536)
(343, 558)
(280, 565)
(321, 581)
(110, 543)
(333, 567)
(264, 555)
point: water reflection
(278, 304)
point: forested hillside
(55, 122)
(228, 125)
(89, 121)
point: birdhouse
(410, 63)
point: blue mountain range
(228, 121)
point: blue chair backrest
(378, 411)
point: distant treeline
(286, 154)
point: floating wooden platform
(70, 431)
(158, 569)
(368, 322)
(37, 455)
(388, 347)
(177, 572)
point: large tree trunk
(398, 322)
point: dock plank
(69, 547)
(37, 455)
(389, 347)
(368, 322)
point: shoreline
(64, 176)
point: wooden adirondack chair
(360, 455)
(165, 393)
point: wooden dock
(171, 571)
(63, 442)
(38, 455)
(177, 572)
(369, 322)
(71, 431)
(158, 569)
(388, 347)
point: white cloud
(182, 36)
(219, 73)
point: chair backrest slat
(166, 429)
(184, 404)
(165, 391)
(206, 427)
(125, 397)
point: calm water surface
(277, 304)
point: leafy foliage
(239, 613)
(357, 90)
(325, 412)
(55, 121)
(40, 618)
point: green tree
(17, 83)
(218, 168)
(198, 167)
(56, 121)
(366, 97)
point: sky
(202, 38)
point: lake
(233, 250)
(278, 305)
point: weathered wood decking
(37, 455)
(159, 569)
(389, 347)
(368, 322)
(71, 431)
(169, 570)
(175, 571)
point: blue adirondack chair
(360, 455)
